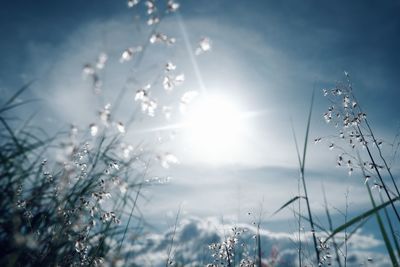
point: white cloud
(193, 236)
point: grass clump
(62, 213)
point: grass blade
(392, 231)
(382, 228)
(5, 108)
(302, 168)
(19, 92)
(360, 217)
(287, 204)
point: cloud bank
(193, 237)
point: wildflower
(126, 150)
(21, 204)
(88, 70)
(123, 187)
(186, 99)
(170, 82)
(170, 66)
(93, 129)
(109, 216)
(80, 246)
(377, 186)
(142, 93)
(328, 116)
(336, 91)
(172, 6)
(346, 101)
(120, 127)
(203, 46)
(350, 171)
(340, 161)
(98, 261)
(167, 159)
(114, 165)
(149, 106)
(349, 163)
(153, 20)
(100, 196)
(151, 7)
(101, 61)
(132, 3)
(161, 38)
(129, 53)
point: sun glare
(213, 128)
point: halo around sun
(213, 128)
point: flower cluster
(354, 136)
(224, 252)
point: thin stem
(302, 176)
(328, 215)
(379, 150)
(378, 173)
(173, 237)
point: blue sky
(267, 55)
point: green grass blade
(353, 231)
(383, 231)
(287, 204)
(19, 92)
(11, 133)
(360, 217)
(328, 216)
(378, 217)
(17, 105)
(296, 144)
(392, 231)
(307, 132)
(302, 171)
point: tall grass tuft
(61, 213)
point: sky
(266, 56)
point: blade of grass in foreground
(375, 210)
(328, 216)
(379, 219)
(375, 167)
(302, 175)
(382, 228)
(300, 247)
(287, 204)
(392, 231)
(133, 208)
(19, 92)
(359, 218)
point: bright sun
(213, 128)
